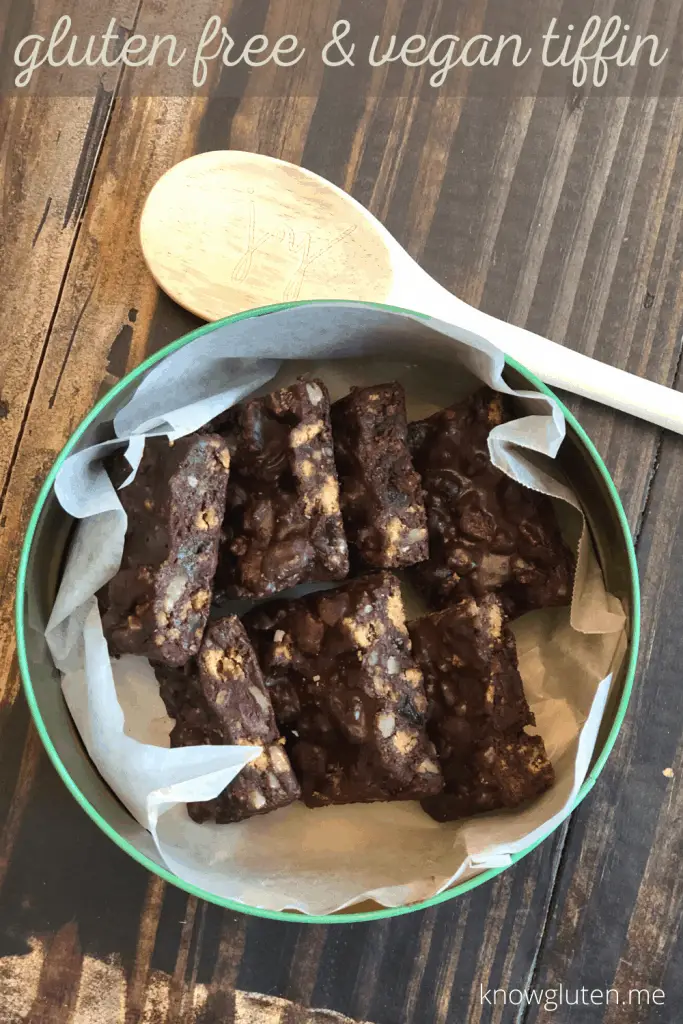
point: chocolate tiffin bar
(381, 494)
(283, 524)
(477, 711)
(158, 603)
(347, 693)
(220, 698)
(487, 533)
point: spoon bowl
(228, 231)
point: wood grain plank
(55, 998)
(221, 954)
(305, 965)
(618, 884)
(149, 920)
(19, 978)
(101, 992)
(48, 150)
(20, 796)
(62, 869)
(183, 981)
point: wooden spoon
(227, 231)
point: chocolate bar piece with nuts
(347, 693)
(487, 533)
(381, 494)
(477, 711)
(283, 524)
(220, 698)
(157, 604)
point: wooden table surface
(560, 212)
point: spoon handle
(558, 366)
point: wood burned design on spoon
(297, 243)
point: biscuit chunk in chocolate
(477, 711)
(487, 533)
(381, 494)
(220, 698)
(158, 603)
(347, 693)
(283, 524)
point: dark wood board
(562, 212)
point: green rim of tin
(275, 915)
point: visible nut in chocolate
(220, 698)
(487, 533)
(158, 603)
